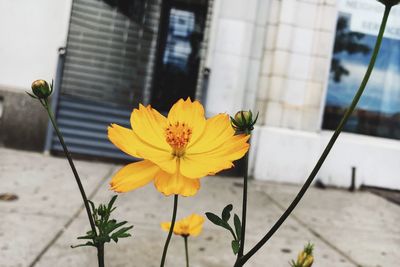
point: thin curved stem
(100, 247)
(171, 229)
(72, 165)
(244, 206)
(327, 149)
(186, 250)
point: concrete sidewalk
(348, 229)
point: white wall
(235, 53)
(31, 32)
(288, 156)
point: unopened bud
(301, 257)
(243, 121)
(308, 261)
(305, 257)
(41, 89)
(243, 116)
(390, 2)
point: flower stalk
(46, 105)
(42, 91)
(164, 255)
(100, 254)
(244, 206)
(242, 260)
(185, 238)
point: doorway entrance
(178, 59)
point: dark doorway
(178, 53)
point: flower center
(185, 229)
(178, 136)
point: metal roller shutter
(107, 71)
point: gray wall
(23, 121)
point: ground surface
(37, 229)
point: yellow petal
(124, 139)
(165, 160)
(196, 165)
(218, 129)
(149, 126)
(176, 184)
(195, 224)
(190, 113)
(133, 176)
(166, 226)
(191, 225)
(128, 141)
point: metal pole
(353, 179)
(54, 97)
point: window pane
(378, 112)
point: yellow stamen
(178, 136)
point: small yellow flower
(305, 257)
(177, 150)
(189, 226)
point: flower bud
(41, 89)
(243, 116)
(301, 257)
(243, 122)
(390, 2)
(308, 261)
(305, 257)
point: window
(378, 112)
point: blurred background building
(297, 62)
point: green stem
(171, 229)
(285, 215)
(100, 247)
(186, 250)
(100, 254)
(244, 206)
(71, 163)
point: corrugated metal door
(107, 71)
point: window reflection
(178, 48)
(178, 59)
(378, 112)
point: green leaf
(122, 231)
(255, 120)
(85, 237)
(31, 95)
(235, 246)
(111, 203)
(233, 121)
(105, 225)
(226, 212)
(238, 226)
(214, 218)
(87, 244)
(92, 206)
(112, 225)
(218, 221)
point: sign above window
(367, 16)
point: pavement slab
(48, 200)
(361, 225)
(146, 208)
(348, 229)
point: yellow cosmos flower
(189, 226)
(176, 150)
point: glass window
(378, 112)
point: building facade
(297, 62)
